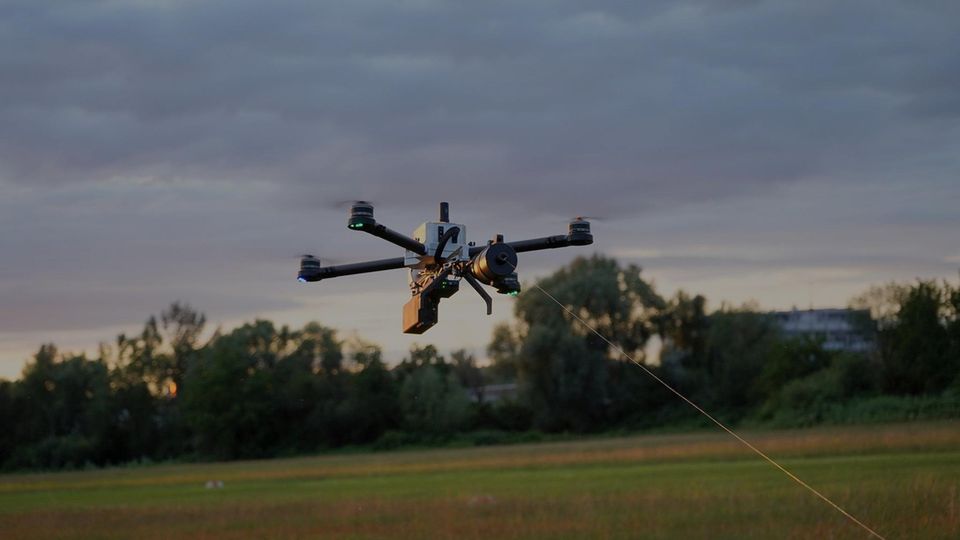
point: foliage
(918, 334)
(791, 359)
(808, 400)
(175, 391)
(504, 353)
(868, 410)
(683, 326)
(372, 405)
(914, 347)
(433, 403)
(564, 368)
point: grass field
(903, 480)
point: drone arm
(355, 268)
(536, 244)
(392, 236)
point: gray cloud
(159, 150)
(657, 104)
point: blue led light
(301, 279)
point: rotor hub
(578, 232)
(309, 269)
(361, 215)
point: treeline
(735, 362)
(261, 391)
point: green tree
(469, 376)
(140, 357)
(134, 432)
(34, 393)
(565, 368)
(183, 326)
(372, 405)
(791, 359)
(564, 380)
(953, 332)
(807, 400)
(260, 390)
(916, 348)
(739, 344)
(420, 357)
(8, 436)
(226, 398)
(65, 411)
(683, 326)
(322, 346)
(504, 352)
(363, 353)
(433, 403)
(322, 383)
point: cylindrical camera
(496, 266)
(495, 262)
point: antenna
(444, 212)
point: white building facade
(837, 329)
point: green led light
(514, 293)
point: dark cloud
(51, 308)
(157, 150)
(657, 104)
(733, 265)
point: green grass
(900, 479)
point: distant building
(837, 329)
(493, 393)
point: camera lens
(494, 263)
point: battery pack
(419, 314)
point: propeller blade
(347, 203)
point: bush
(809, 400)
(869, 410)
(488, 438)
(893, 408)
(512, 416)
(68, 452)
(432, 403)
(391, 440)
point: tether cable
(733, 434)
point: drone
(438, 256)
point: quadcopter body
(438, 256)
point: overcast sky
(793, 153)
